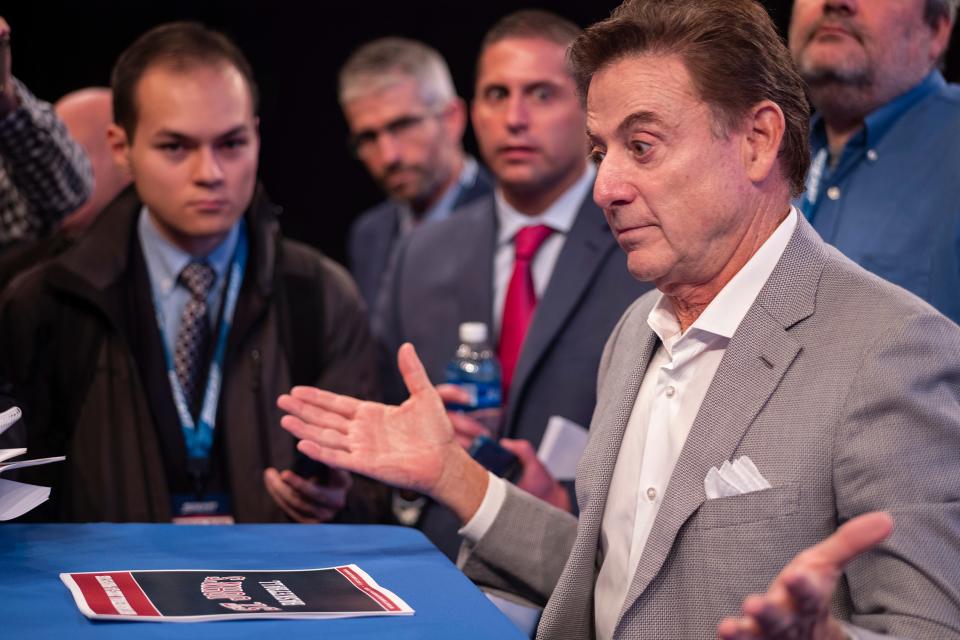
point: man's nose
(387, 148)
(207, 169)
(843, 7)
(518, 113)
(611, 188)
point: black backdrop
(295, 49)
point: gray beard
(821, 78)
(840, 96)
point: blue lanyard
(199, 435)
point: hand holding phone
(493, 457)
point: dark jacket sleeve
(350, 368)
(349, 361)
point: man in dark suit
(406, 125)
(529, 125)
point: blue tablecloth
(35, 603)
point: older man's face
(672, 189)
(409, 147)
(862, 42)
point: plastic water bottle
(475, 369)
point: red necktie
(521, 300)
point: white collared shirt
(165, 261)
(667, 404)
(559, 216)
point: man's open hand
(411, 446)
(797, 604)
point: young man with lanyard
(151, 352)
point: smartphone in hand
(493, 457)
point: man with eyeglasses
(406, 124)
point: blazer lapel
(757, 357)
(569, 612)
(474, 274)
(587, 244)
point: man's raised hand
(411, 446)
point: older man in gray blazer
(762, 420)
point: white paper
(6, 454)
(523, 617)
(16, 498)
(19, 464)
(9, 417)
(562, 446)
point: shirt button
(833, 193)
(670, 391)
(651, 494)
(872, 155)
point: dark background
(296, 50)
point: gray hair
(382, 63)
(935, 10)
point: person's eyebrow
(233, 131)
(639, 118)
(179, 135)
(631, 121)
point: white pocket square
(732, 479)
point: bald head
(87, 114)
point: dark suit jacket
(374, 235)
(444, 276)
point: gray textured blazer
(845, 392)
(444, 276)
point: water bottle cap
(473, 332)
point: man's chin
(825, 74)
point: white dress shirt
(559, 216)
(667, 404)
(673, 387)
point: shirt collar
(727, 310)
(559, 216)
(445, 205)
(165, 260)
(880, 120)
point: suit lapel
(757, 357)
(382, 244)
(569, 612)
(474, 274)
(587, 245)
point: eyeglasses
(364, 143)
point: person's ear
(455, 119)
(941, 38)
(763, 130)
(119, 146)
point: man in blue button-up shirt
(884, 185)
